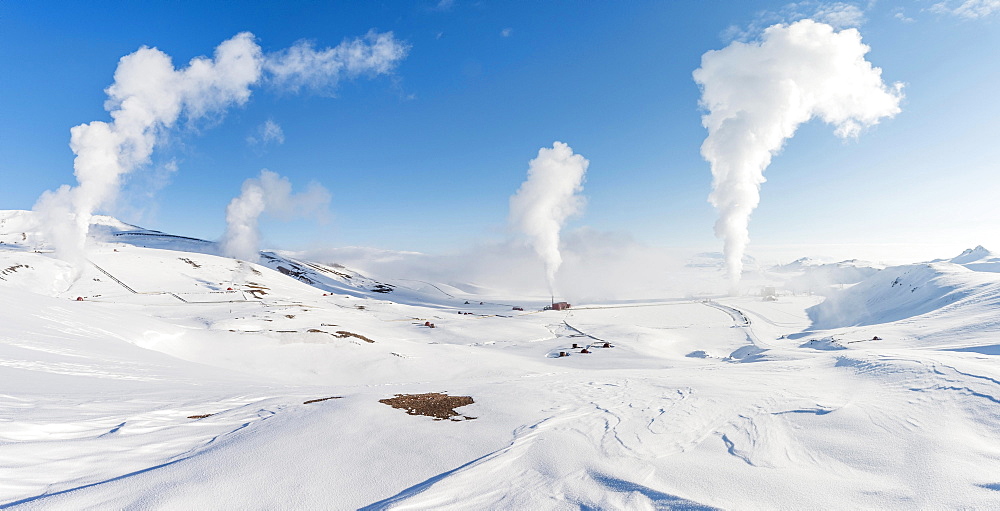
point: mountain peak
(972, 254)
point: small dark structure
(79, 298)
(584, 350)
(229, 289)
(563, 354)
(428, 324)
(607, 345)
(560, 306)
(876, 338)
(575, 345)
(518, 308)
(321, 399)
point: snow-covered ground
(181, 380)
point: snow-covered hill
(943, 303)
(183, 379)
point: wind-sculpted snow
(186, 380)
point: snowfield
(185, 380)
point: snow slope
(943, 304)
(164, 389)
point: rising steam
(149, 96)
(546, 199)
(271, 194)
(758, 93)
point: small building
(560, 306)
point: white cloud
(836, 14)
(900, 14)
(969, 9)
(840, 15)
(303, 65)
(267, 132)
(506, 32)
(271, 132)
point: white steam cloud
(546, 199)
(758, 93)
(149, 96)
(271, 194)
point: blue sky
(426, 159)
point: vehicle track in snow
(741, 320)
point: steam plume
(758, 93)
(546, 199)
(272, 194)
(149, 96)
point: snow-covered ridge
(972, 255)
(14, 221)
(956, 295)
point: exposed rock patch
(433, 404)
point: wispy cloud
(969, 9)
(506, 32)
(267, 132)
(303, 66)
(839, 15)
(900, 14)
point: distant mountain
(972, 255)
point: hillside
(946, 303)
(181, 379)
